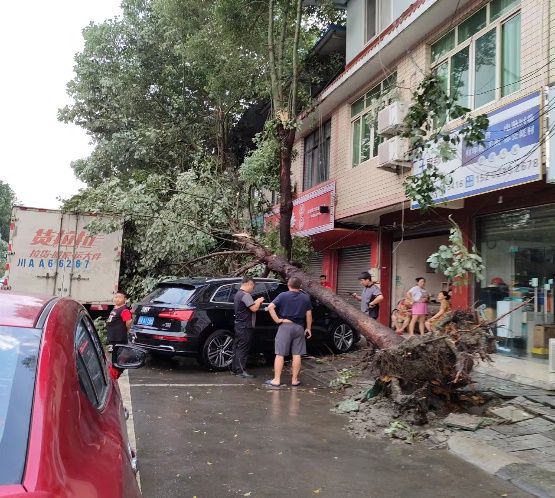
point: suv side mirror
(125, 356)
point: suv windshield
(19, 349)
(170, 295)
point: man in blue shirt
(292, 310)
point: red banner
(313, 212)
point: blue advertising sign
(510, 154)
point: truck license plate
(146, 320)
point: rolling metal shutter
(314, 268)
(352, 262)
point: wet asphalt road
(212, 435)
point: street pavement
(202, 434)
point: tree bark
(375, 332)
(287, 139)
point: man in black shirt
(245, 317)
(292, 310)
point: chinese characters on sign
(61, 249)
(49, 237)
(313, 212)
(510, 154)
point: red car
(62, 423)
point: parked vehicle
(62, 424)
(53, 253)
(194, 317)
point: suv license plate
(146, 320)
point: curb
(528, 477)
(519, 379)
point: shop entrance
(315, 262)
(352, 261)
(409, 262)
(518, 248)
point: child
(401, 316)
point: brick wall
(367, 188)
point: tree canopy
(160, 91)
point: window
(479, 60)
(317, 156)
(371, 19)
(19, 350)
(222, 294)
(170, 294)
(226, 293)
(91, 365)
(364, 120)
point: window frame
(371, 100)
(470, 42)
(238, 285)
(218, 290)
(377, 5)
(321, 138)
(86, 382)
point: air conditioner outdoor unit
(390, 118)
(393, 154)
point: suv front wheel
(217, 350)
(342, 337)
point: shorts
(419, 309)
(290, 339)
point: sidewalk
(521, 447)
(520, 370)
(519, 443)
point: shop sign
(313, 212)
(510, 154)
(550, 139)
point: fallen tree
(381, 336)
(419, 373)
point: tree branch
(244, 268)
(281, 47)
(271, 59)
(208, 256)
(294, 84)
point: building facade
(499, 58)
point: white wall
(409, 262)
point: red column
(329, 267)
(386, 262)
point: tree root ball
(437, 363)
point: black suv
(194, 317)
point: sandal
(269, 383)
(296, 384)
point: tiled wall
(365, 187)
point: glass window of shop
(518, 248)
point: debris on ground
(464, 421)
(347, 406)
(511, 414)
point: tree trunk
(287, 139)
(375, 332)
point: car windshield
(170, 295)
(19, 349)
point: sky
(38, 40)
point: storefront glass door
(518, 248)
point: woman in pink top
(419, 297)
